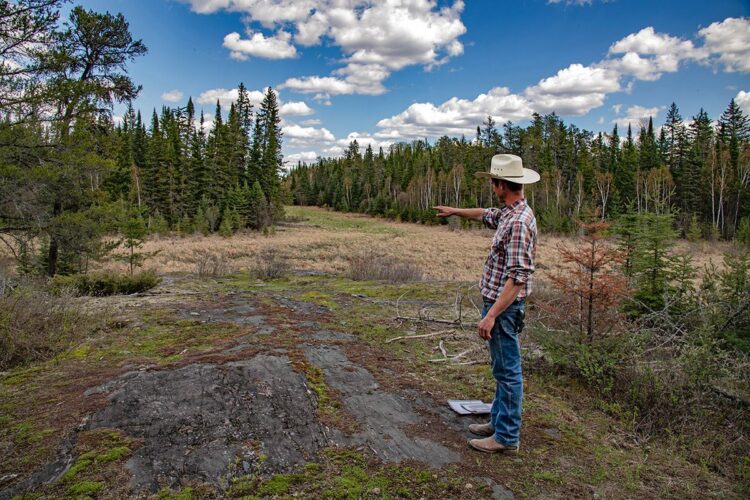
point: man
(505, 284)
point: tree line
(694, 169)
(69, 175)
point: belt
(518, 300)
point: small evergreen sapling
(134, 231)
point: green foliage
(184, 226)
(226, 228)
(134, 231)
(694, 232)
(646, 241)
(201, 222)
(158, 224)
(596, 364)
(102, 284)
(257, 207)
(743, 232)
(734, 289)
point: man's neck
(511, 198)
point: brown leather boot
(489, 445)
(482, 429)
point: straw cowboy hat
(509, 168)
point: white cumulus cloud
(648, 54)
(172, 95)
(228, 96)
(295, 108)
(302, 156)
(376, 38)
(275, 47)
(636, 116)
(574, 90)
(578, 89)
(224, 96)
(298, 134)
(743, 100)
(455, 116)
(730, 41)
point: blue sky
(393, 70)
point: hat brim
(529, 177)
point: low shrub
(213, 265)
(101, 284)
(35, 325)
(371, 266)
(270, 264)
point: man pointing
(505, 284)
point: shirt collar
(514, 206)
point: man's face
(499, 189)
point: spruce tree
(625, 173)
(198, 174)
(271, 163)
(257, 207)
(676, 156)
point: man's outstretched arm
(466, 213)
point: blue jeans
(505, 353)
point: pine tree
(85, 72)
(118, 182)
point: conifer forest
(697, 169)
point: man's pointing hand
(445, 211)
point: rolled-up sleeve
(519, 252)
(490, 217)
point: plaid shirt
(511, 254)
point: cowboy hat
(509, 168)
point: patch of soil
(205, 422)
(383, 416)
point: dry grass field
(324, 241)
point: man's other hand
(445, 211)
(485, 327)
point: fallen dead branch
(423, 336)
(423, 314)
(453, 358)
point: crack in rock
(382, 415)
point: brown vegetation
(326, 242)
